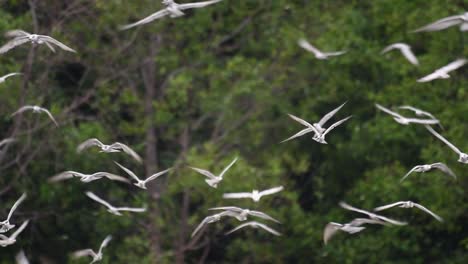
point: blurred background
(218, 83)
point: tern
(111, 209)
(255, 195)
(214, 180)
(114, 147)
(35, 109)
(458, 20)
(87, 177)
(409, 204)
(211, 219)
(463, 157)
(5, 226)
(352, 227)
(255, 224)
(371, 215)
(405, 120)
(3, 78)
(417, 111)
(427, 167)
(142, 183)
(20, 37)
(405, 50)
(442, 73)
(21, 258)
(172, 9)
(7, 241)
(317, 53)
(89, 252)
(242, 213)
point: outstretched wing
(300, 133)
(443, 139)
(156, 175)
(65, 176)
(361, 221)
(22, 109)
(330, 128)
(99, 200)
(302, 121)
(271, 191)
(238, 227)
(56, 42)
(204, 172)
(132, 209)
(16, 33)
(269, 229)
(84, 253)
(228, 167)
(89, 143)
(335, 53)
(417, 111)
(197, 5)
(327, 117)
(9, 75)
(429, 212)
(13, 43)
(19, 230)
(441, 166)
(228, 208)
(309, 47)
(237, 195)
(440, 24)
(407, 174)
(388, 111)
(112, 177)
(454, 65)
(430, 77)
(406, 51)
(104, 243)
(384, 207)
(329, 231)
(129, 172)
(127, 150)
(17, 203)
(263, 216)
(50, 115)
(200, 226)
(157, 15)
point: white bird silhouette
(409, 204)
(211, 219)
(35, 109)
(255, 224)
(3, 78)
(214, 180)
(371, 215)
(352, 227)
(442, 73)
(255, 195)
(428, 167)
(20, 37)
(405, 50)
(21, 258)
(462, 157)
(5, 225)
(172, 10)
(461, 20)
(242, 213)
(112, 209)
(87, 177)
(142, 183)
(89, 252)
(114, 147)
(7, 241)
(317, 53)
(405, 120)
(417, 111)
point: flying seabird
(428, 167)
(20, 37)
(255, 195)
(352, 227)
(3, 78)
(405, 120)
(417, 111)
(318, 54)
(461, 20)
(442, 73)
(5, 226)
(172, 9)
(405, 50)
(242, 213)
(409, 204)
(89, 252)
(371, 215)
(142, 183)
(35, 109)
(214, 180)
(114, 147)
(463, 157)
(87, 177)
(255, 224)
(7, 241)
(213, 218)
(111, 209)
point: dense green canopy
(218, 83)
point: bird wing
(132, 209)
(440, 24)
(428, 211)
(228, 167)
(157, 15)
(17, 203)
(204, 172)
(127, 150)
(238, 227)
(84, 253)
(329, 231)
(65, 176)
(454, 65)
(49, 46)
(237, 195)
(89, 143)
(19, 230)
(22, 109)
(417, 110)
(409, 55)
(263, 215)
(408, 173)
(430, 77)
(104, 243)
(309, 47)
(16, 33)
(50, 115)
(271, 191)
(327, 117)
(391, 221)
(384, 207)
(335, 53)
(439, 136)
(302, 121)
(21, 258)
(197, 5)
(441, 166)
(300, 133)
(330, 128)
(352, 208)
(360, 221)
(388, 111)
(99, 200)
(202, 224)
(390, 47)
(13, 43)
(56, 42)
(269, 229)
(129, 172)
(112, 177)
(228, 208)
(156, 175)
(11, 74)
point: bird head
(463, 158)
(141, 184)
